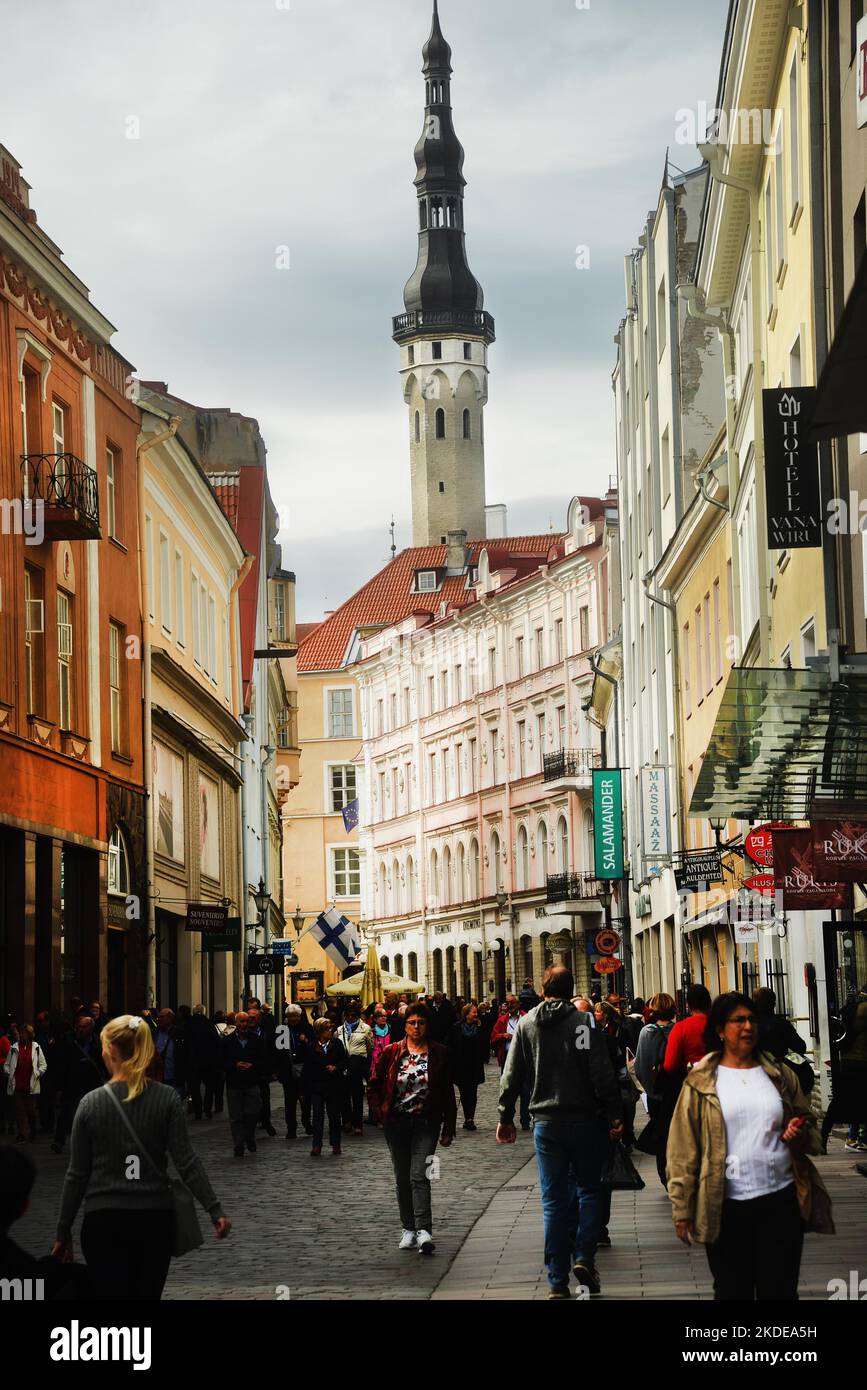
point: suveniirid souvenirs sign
(794, 510)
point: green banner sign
(228, 940)
(608, 823)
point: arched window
(436, 212)
(118, 863)
(467, 426)
(398, 965)
(451, 212)
(413, 966)
(422, 214)
(447, 875)
(410, 885)
(496, 863)
(562, 846)
(434, 887)
(417, 426)
(440, 424)
(523, 858)
(383, 889)
(383, 961)
(588, 841)
(526, 949)
(542, 843)
(474, 869)
(395, 888)
(462, 874)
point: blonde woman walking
(128, 1232)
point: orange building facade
(72, 860)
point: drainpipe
(238, 699)
(147, 718)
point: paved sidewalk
(501, 1258)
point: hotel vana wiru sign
(608, 822)
(791, 470)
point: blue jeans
(570, 1154)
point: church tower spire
(444, 333)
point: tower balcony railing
(67, 490)
(417, 321)
(567, 888)
(575, 763)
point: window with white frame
(749, 567)
(561, 728)
(345, 873)
(195, 613)
(111, 482)
(717, 633)
(521, 741)
(115, 644)
(165, 585)
(584, 627)
(779, 177)
(661, 318)
(496, 863)
(523, 858)
(540, 738)
(180, 631)
(539, 640)
(563, 845)
(767, 232)
(118, 863)
(686, 671)
(426, 581)
(340, 714)
(542, 842)
(558, 640)
(519, 657)
(494, 753)
(794, 139)
(808, 641)
(342, 786)
(64, 659)
(473, 869)
(150, 566)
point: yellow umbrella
(390, 984)
(371, 980)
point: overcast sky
(271, 124)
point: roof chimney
(456, 552)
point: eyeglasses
(415, 1022)
(741, 1020)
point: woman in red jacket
(412, 1095)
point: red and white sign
(759, 844)
(840, 850)
(606, 965)
(606, 941)
(760, 883)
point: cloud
(262, 126)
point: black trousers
(353, 1094)
(292, 1095)
(265, 1098)
(322, 1106)
(128, 1252)
(204, 1077)
(468, 1090)
(757, 1257)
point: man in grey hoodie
(575, 1104)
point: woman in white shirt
(738, 1178)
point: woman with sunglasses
(739, 1180)
(412, 1096)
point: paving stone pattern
(328, 1228)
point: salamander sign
(608, 823)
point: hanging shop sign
(840, 841)
(761, 883)
(261, 963)
(207, 917)
(307, 986)
(607, 941)
(759, 844)
(227, 940)
(560, 941)
(795, 873)
(608, 822)
(794, 510)
(655, 823)
(606, 965)
(695, 868)
(745, 932)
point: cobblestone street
(328, 1229)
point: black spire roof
(442, 293)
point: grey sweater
(564, 1059)
(101, 1146)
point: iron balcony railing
(562, 888)
(443, 321)
(578, 762)
(68, 489)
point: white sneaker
(425, 1243)
(408, 1241)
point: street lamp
(298, 918)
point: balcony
(68, 492)
(569, 888)
(576, 765)
(418, 321)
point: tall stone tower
(445, 333)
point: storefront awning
(840, 406)
(781, 738)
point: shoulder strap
(132, 1130)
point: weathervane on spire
(391, 527)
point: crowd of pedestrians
(721, 1096)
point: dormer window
(426, 581)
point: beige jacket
(696, 1155)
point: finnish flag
(337, 937)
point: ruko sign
(794, 509)
(840, 840)
(608, 822)
(795, 873)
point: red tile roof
(303, 630)
(227, 496)
(390, 595)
